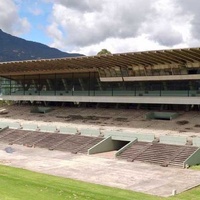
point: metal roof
(95, 63)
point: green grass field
(19, 184)
(196, 167)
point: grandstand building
(169, 79)
(150, 77)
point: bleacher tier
(158, 153)
(62, 142)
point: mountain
(15, 49)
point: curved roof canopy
(153, 59)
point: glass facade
(89, 84)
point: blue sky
(87, 26)
(37, 12)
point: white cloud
(88, 24)
(167, 24)
(116, 45)
(10, 21)
(54, 32)
(84, 5)
(130, 25)
(191, 8)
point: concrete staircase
(157, 153)
(51, 141)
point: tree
(103, 52)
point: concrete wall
(125, 147)
(161, 115)
(194, 159)
(108, 99)
(106, 145)
(152, 78)
(162, 78)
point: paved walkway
(134, 176)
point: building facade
(165, 76)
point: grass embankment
(19, 184)
(196, 167)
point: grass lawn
(196, 167)
(19, 184)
